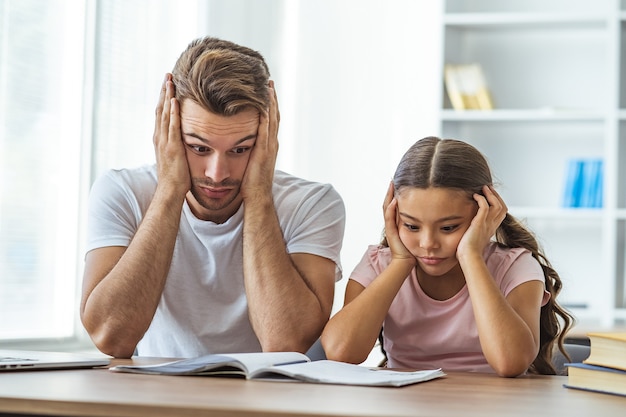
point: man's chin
(216, 204)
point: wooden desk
(99, 392)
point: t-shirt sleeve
(374, 261)
(315, 224)
(112, 219)
(523, 268)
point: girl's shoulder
(378, 253)
(374, 260)
(516, 263)
(495, 252)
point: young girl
(446, 295)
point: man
(211, 250)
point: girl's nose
(427, 240)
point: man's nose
(217, 168)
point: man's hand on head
(172, 166)
(259, 176)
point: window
(79, 81)
(40, 147)
(136, 43)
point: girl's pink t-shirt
(424, 333)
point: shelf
(620, 313)
(557, 213)
(523, 115)
(527, 20)
(620, 214)
(539, 7)
(555, 73)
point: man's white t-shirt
(203, 308)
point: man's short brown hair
(222, 77)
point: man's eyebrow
(443, 219)
(200, 138)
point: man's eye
(241, 150)
(199, 148)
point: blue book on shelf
(591, 183)
(584, 183)
(598, 184)
(573, 183)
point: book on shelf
(467, 87)
(583, 183)
(284, 366)
(604, 370)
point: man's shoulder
(141, 176)
(292, 192)
(126, 183)
(285, 181)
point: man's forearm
(121, 305)
(285, 311)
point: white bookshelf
(553, 68)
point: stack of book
(583, 183)
(605, 368)
(466, 87)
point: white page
(250, 362)
(333, 372)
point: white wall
(358, 82)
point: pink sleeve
(522, 268)
(374, 261)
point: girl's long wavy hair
(449, 163)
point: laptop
(25, 360)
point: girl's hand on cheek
(392, 223)
(491, 212)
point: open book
(283, 366)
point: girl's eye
(449, 228)
(411, 227)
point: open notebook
(22, 360)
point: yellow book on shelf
(453, 87)
(466, 87)
(607, 349)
